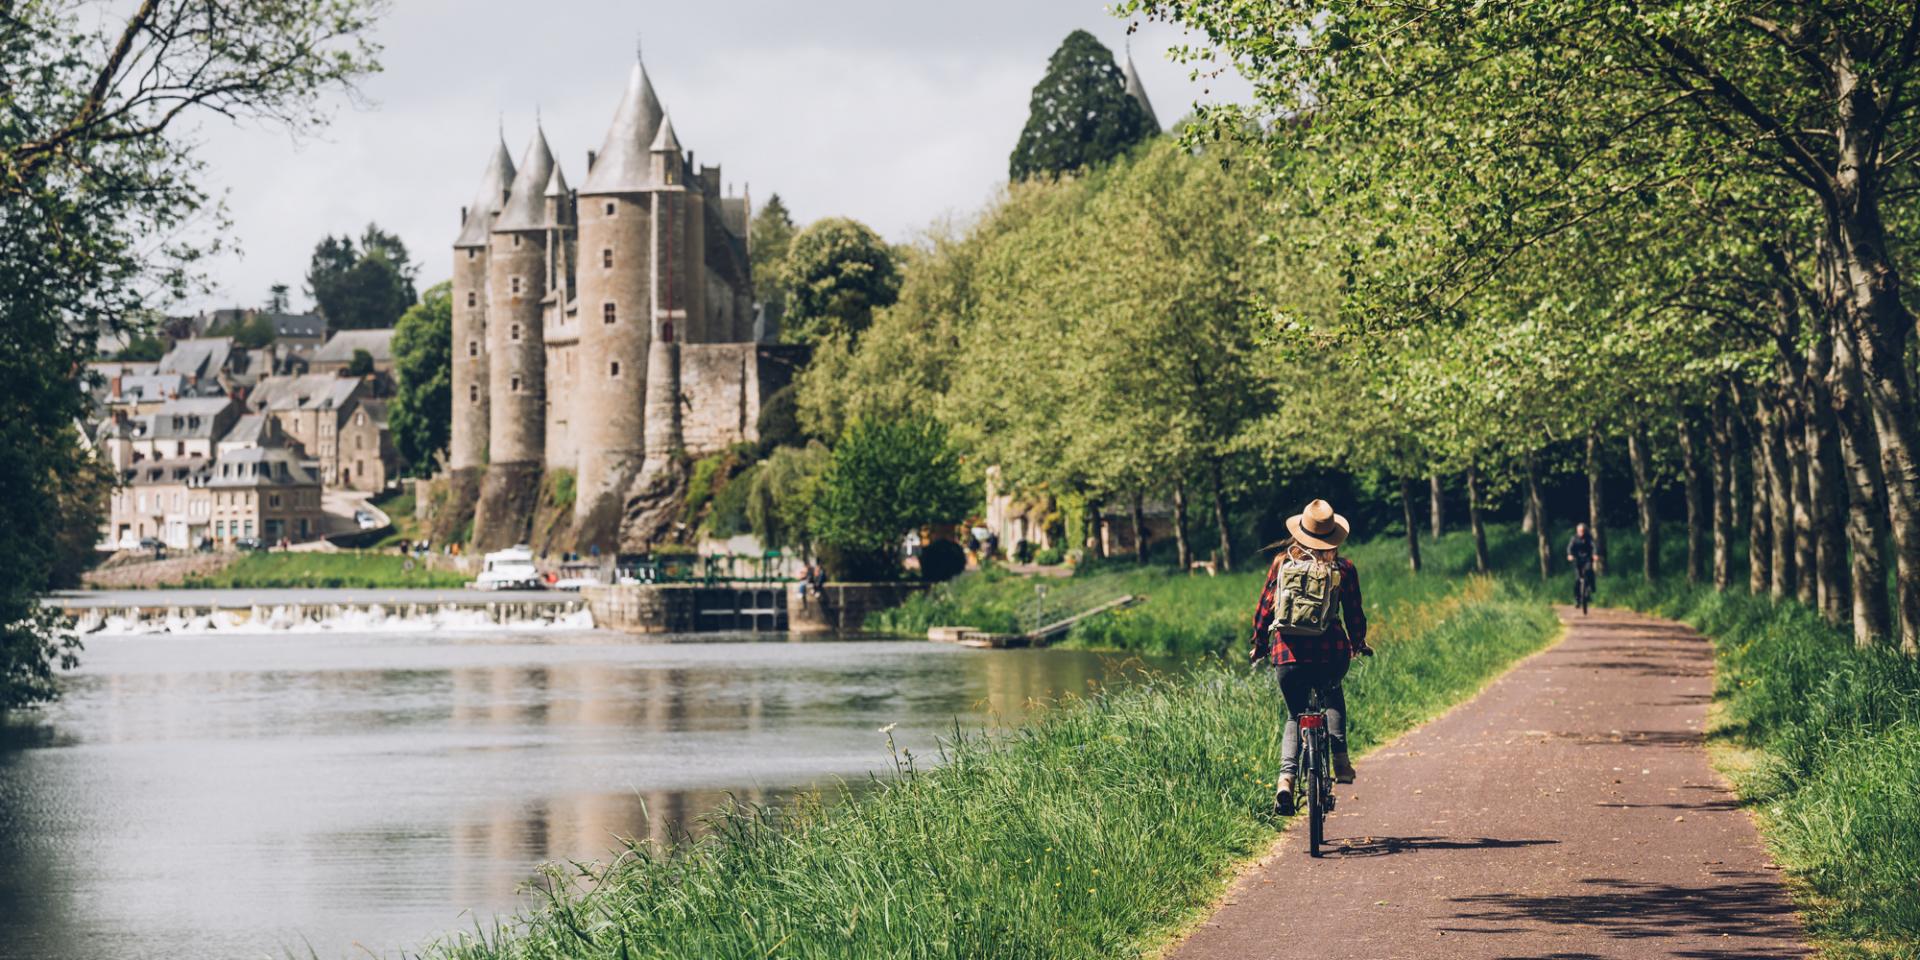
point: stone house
(264, 492)
(311, 409)
(366, 455)
(165, 499)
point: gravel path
(1567, 812)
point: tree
(887, 477)
(771, 233)
(1080, 115)
(90, 176)
(364, 288)
(361, 364)
(837, 272)
(781, 496)
(277, 298)
(422, 414)
(251, 331)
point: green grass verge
(1095, 830)
(277, 570)
(1835, 733)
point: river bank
(1098, 828)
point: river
(232, 794)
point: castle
(608, 331)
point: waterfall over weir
(319, 611)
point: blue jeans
(1296, 680)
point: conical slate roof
(526, 209)
(1139, 92)
(623, 164)
(488, 200)
(665, 141)
(557, 184)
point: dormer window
(606, 259)
(608, 313)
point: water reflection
(216, 796)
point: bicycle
(1582, 588)
(1315, 781)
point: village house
(264, 493)
(365, 449)
(166, 500)
(312, 410)
(337, 355)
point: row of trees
(1673, 228)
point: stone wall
(727, 382)
(843, 607)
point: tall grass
(1837, 735)
(1092, 831)
(304, 569)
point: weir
(246, 611)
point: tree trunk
(1480, 560)
(1826, 493)
(1220, 518)
(1866, 496)
(1096, 544)
(1697, 509)
(1643, 497)
(1596, 504)
(1759, 527)
(1805, 549)
(1534, 509)
(1527, 521)
(1139, 529)
(1439, 505)
(1779, 504)
(1724, 483)
(1182, 548)
(1413, 532)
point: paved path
(1568, 812)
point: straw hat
(1318, 526)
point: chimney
(591, 157)
(463, 215)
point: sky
(897, 113)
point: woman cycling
(1295, 626)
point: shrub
(888, 477)
(1023, 551)
(1050, 557)
(942, 560)
(779, 423)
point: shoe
(1342, 769)
(1283, 797)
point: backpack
(1305, 597)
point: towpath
(1567, 812)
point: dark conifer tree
(1081, 115)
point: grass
(1830, 736)
(313, 569)
(1095, 830)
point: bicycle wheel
(1316, 798)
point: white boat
(509, 569)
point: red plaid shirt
(1338, 643)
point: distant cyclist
(1309, 623)
(1580, 554)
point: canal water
(221, 794)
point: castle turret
(616, 280)
(562, 328)
(517, 281)
(468, 447)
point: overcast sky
(894, 112)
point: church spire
(622, 163)
(1139, 92)
(489, 198)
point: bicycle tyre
(1316, 803)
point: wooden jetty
(968, 636)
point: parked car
(249, 543)
(366, 519)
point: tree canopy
(421, 417)
(836, 273)
(365, 287)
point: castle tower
(616, 280)
(517, 280)
(561, 333)
(468, 449)
(1138, 92)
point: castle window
(473, 393)
(611, 209)
(473, 348)
(472, 300)
(513, 333)
(471, 253)
(606, 259)
(516, 385)
(614, 369)
(514, 284)
(516, 239)
(607, 313)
